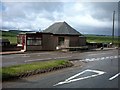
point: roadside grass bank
(25, 70)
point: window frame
(34, 40)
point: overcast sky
(85, 17)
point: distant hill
(100, 35)
(11, 33)
(18, 31)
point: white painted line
(25, 56)
(86, 59)
(93, 59)
(107, 57)
(115, 56)
(37, 59)
(97, 54)
(71, 79)
(114, 76)
(97, 59)
(45, 59)
(38, 55)
(102, 58)
(111, 57)
(62, 57)
(41, 53)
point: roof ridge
(62, 28)
(64, 23)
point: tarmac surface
(18, 57)
(96, 69)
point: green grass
(12, 37)
(13, 40)
(102, 39)
(8, 34)
(20, 69)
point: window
(34, 41)
(60, 40)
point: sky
(85, 17)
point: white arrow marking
(114, 76)
(73, 80)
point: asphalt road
(15, 59)
(98, 70)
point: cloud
(24, 15)
(83, 16)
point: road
(99, 70)
(15, 59)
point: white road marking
(93, 59)
(25, 56)
(102, 58)
(71, 79)
(115, 56)
(114, 76)
(111, 57)
(87, 59)
(62, 57)
(107, 57)
(97, 59)
(44, 53)
(96, 54)
(37, 59)
(45, 59)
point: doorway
(61, 41)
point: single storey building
(57, 36)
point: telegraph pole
(113, 28)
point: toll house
(57, 36)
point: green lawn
(24, 68)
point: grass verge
(19, 70)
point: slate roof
(61, 28)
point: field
(102, 39)
(12, 36)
